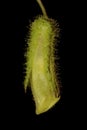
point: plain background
(18, 109)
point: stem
(42, 8)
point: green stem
(42, 8)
